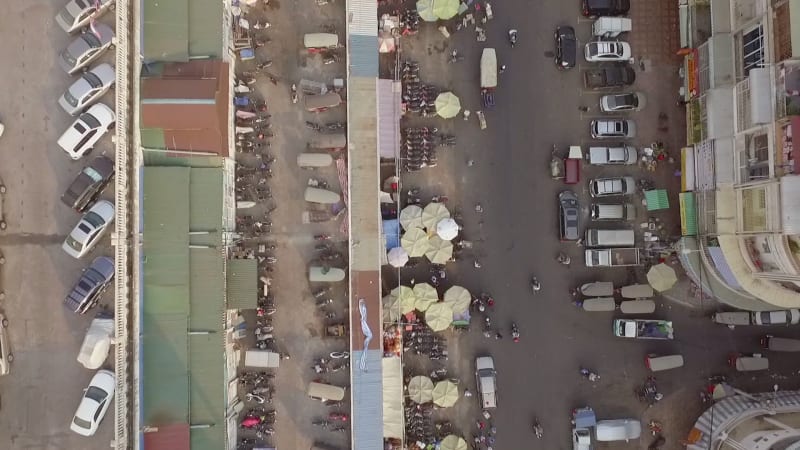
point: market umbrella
(425, 10)
(439, 316)
(447, 105)
(447, 229)
(406, 297)
(439, 250)
(458, 298)
(453, 442)
(415, 241)
(661, 277)
(420, 389)
(426, 295)
(445, 9)
(391, 307)
(411, 217)
(398, 257)
(721, 390)
(445, 394)
(433, 214)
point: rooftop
(173, 32)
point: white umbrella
(411, 217)
(415, 241)
(447, 229)
(426, 295)
(661, 277)
(447, 105)
(439, 250)
(420, 389)
(458, 298)
(445, 394)
(439, 316)
(433, 214)
(398, 257)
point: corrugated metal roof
(205, 213)
(242, 285)
(362, 18)
(367, 401)
(165, 30)
(389, 104)
(207, 389)
(205, 28)
(207, 295)
(164, 378)
(168, 437)
(363, 56)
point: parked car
(618, 430)
(609, 76)
(566, 47)
(613, 128)
(606, 187)
(87, 232)
(622, 154)
(87, 89)
(629, 101)
(94, 403)
(86, 48)
(781, 317)
(569, 213)
(486, 379)
(87, 129)
(6, 357)
(597, 8)
(599, 51)
(90, 182)
(78, 13)
(90, 287)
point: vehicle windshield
(74, 244)
(93, 174)
(96, 394)
(68, 58)
(85, 424)
(93, 80)
(91, 39)
(90, 120)
(94, 219)
(70, 98)
(66, 17)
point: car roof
(102, 113)
(104, 266)
(103, 165)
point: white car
(87, 89)
(622, 154)
(94, 404)
(78, 13)
(486, 379)
(87, 129)
(87, 232)
(629, 101)
(781, 317)
(613, 128)
(599, 51)
(606, 187)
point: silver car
(86, 48)
(87, 89)
(78, 13)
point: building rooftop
(174, 32)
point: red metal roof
(168, 437)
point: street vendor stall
(488, 76)
(572, 165)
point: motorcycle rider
(514, 332)
(512, 37)
(535, 285)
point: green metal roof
(205, 28)
(206, 200)
(242, 284)
(688, 204)
(165, 30)
(656, 199)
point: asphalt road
(537, 106)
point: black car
(597, 8)
(87, 186)
(566, 47)
(87, 291)
(569, 211)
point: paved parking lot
(40, 395)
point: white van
(609, 238)
(618, 430)
(611, 27)
(619, 211)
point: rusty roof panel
(168, 437)
(161, 88)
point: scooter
(589, 375)
(514, 332)
(512, 37)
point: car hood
(484, 362)
(102, 113)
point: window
(752, 49)
(754, 209)
(754, 158)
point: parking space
(40, 395)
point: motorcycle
(564, 259)
(535, 285)
(512, 37)
(589, 375)
(537, 428)
(514, 332)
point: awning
(392, 398)
(688, 205)
(760, 96)
(389, 112)
(790, 204)
(687, 169)
(656, 199)
(242, 284)
(683, 22)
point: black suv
(87, 186)
(597, 8)
(566, 47)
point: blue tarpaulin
(391, 229)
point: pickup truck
(612, 257)
(643, 329)
(610, 76)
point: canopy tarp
(397, 257)
(447, 105)
(488, 68)
(445, 394)
(661, 277)
(392, 397)
(420, 389)
(453, 442)
(458, 298)
(656, 199)
(411, 217)
(426, 295)
(425, 10)
(445, 9)
(415, 241)
(439, 316)
(433, 214)
(439, 250)
(447, 229)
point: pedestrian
(477, 264)
(466, 114)
(583, 108)
(478, 208)
(498, 336)
(467, 393)
(481, 425)
(490, 301)
(470, 162)
(502, 68)
(490, 441)
(579, 242)
(493, 430)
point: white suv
(87, 129)
(599, 51)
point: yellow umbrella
(445, 394)
(391, 307)
(445, 9)
(415, 241)
(661, 277)
(458, 298)
(406, 298)
(420, 389)
(439, 316)
(453, 442)
(434, 213)
(426, 295)
(411, 217)
(439, 250)
(447, 105)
